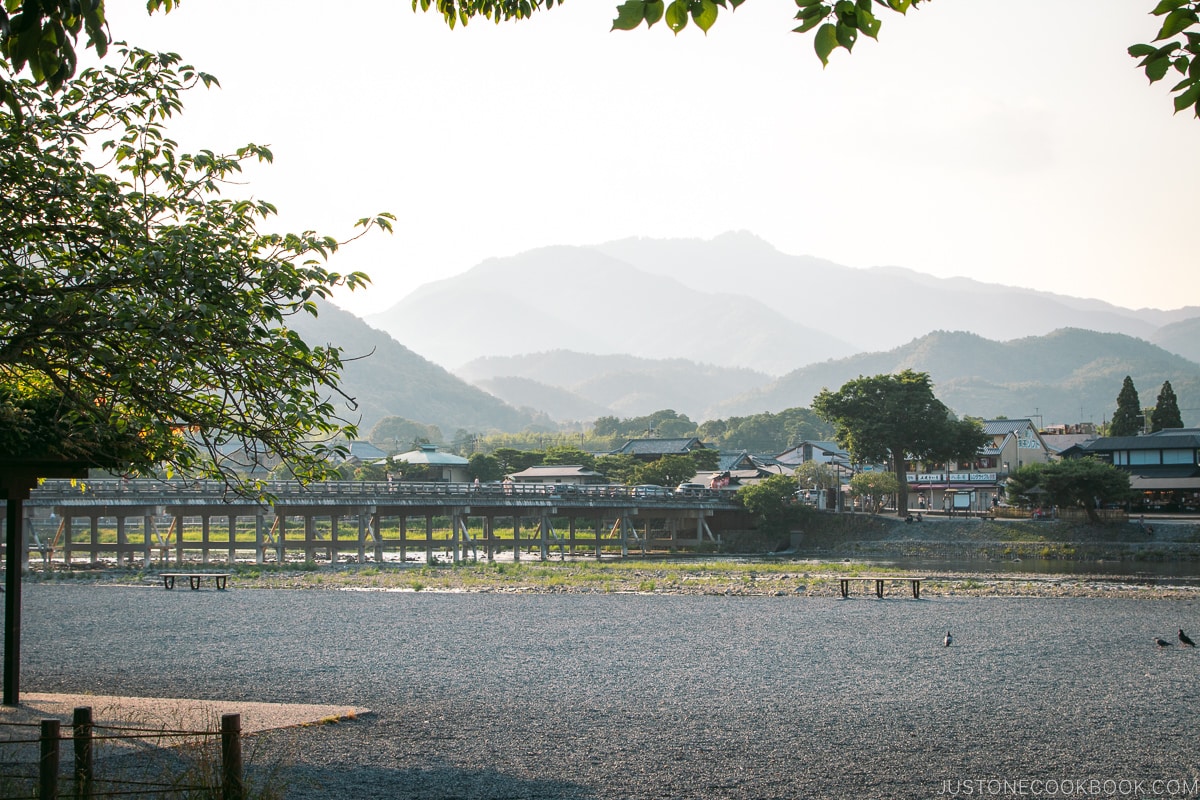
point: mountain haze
(623, 385)
(577, 298)
(881, 307)
(1067, 376)
(388, 379)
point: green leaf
(825, 41)
(846, 35)
(629, 15)
(1177, 21)
(1140, 50)
(1188, 98)
(654, 11)
(1156, 68)
(868, 23)
(677, 15)
(809, 24)
(704, 13)
(1167, 6)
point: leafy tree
(1166, 410)
(512, 460)
(875, 487)
(663, 424)
(1127, 420)
(568, 455)
(484, 467)
(1075, 482)
(667, 471)
(619, 469)
(145, 315)
(42, 35)
(815, 475)
(894, 418)
(766, 432)
(772, 503)
(399, 434)
(705, 459)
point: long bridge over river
(155, 521)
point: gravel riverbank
(594, 695)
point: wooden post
(82, 733)
(516, 538)
(377, 535)
(48, 765)
(122, 550)
(231, 757)
(12, 596)
(403, 526)
(599, 527)
(94, 544)
(454, 525)
(428, 538)
(489, 523)
(544, 537)
(179, 539)
(204, 523)
(260, 524)
(281, 540)
(572, 534)
(232, 539)
(147, 540)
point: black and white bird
(1161, 642)
(949, 640)
(1184, 640)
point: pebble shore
(565, 694)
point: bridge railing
(164, 490)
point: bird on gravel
(1184, 640)
(1158, 640)
(949, 640)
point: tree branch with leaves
(145, 313)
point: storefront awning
(1143, 483)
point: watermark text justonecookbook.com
(1071, 787)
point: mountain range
(732, 301)
(732, 327)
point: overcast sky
(1011, 141)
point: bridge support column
(204, 533)
(455, 523)
(281, 540)
(489, 526)
(260, 529)
(147, 540)
(428, 538)
(377, 536)
(333, 538)
(232, 539)
(544, 537)
(310, 537)
(516, 538)
(403, 539)
(599, 528)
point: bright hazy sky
(1010, 141)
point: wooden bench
(194, 578)
(915, 582)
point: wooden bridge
(154, 521)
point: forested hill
(1069, 375)
(388, 379)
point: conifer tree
(1127, 420)
(1166, 410)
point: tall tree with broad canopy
(145, 315)
(1127, 419)
(42, 35)
(889, 419)
(1074, 482)
(1166, 410)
